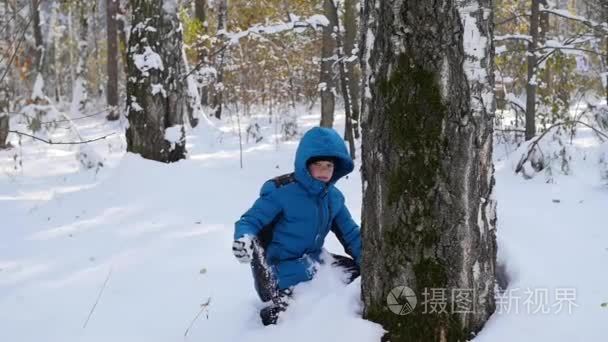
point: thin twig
(61, 143)
(98, 297)
(6, 26)
(197, 66)
(515, 17)
(203, 308)
(59, 121)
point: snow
(500, 49)
(147, 60)
(161, 235)
(316, 22)
(566, 14)
(38, 92)
(173, 134)
(158, 88)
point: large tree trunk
(155, 88)
(112, 59)
(328, 78)
(427, 167)
(532, 80)
(222, 19)
(350, 35)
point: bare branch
(517, 37)
(203, 308)
(534, 144)
(572, 48)
(21, 39)
(64, 120)
(515, 17)
(61, 143)
(601, 27)
(98, 297)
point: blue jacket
(308, 210)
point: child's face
(321, 170)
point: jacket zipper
(321, 214)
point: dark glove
(242, 248)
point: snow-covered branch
(232, 38)
(315, 22)
(602, 27)
(521, 37)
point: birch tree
(428, 218)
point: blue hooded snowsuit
(307, 209)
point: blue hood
(320, 141)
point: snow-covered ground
(138, 249)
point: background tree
(112, 59)
(155, 90)
(327, 81)
(222, 19)
(351, 60)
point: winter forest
(137, 138)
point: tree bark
(4, 127)
(5, 22)
(328, 78)
(344, 85)
(605, 16)
(4, 116)
(79, 88)
(532, 79)
(200, 12)
(155, 86)
(350, 35)
(112, 60)
(222, 19)
(122, 32)
(39, 53)
(428, 202)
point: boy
(282, 234)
